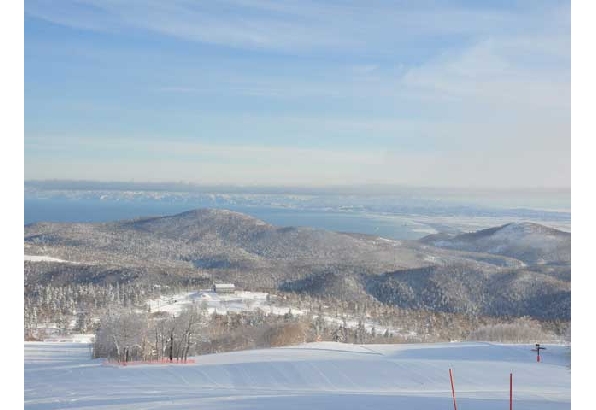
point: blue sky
(418, 93)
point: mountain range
(520, 269)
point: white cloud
(484, 73)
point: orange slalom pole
(452, 389)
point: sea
(390, 218)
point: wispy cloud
(491, 71)
(288, 25)
(425, 92)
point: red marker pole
(452, 389)
(510, 391)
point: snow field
(239, 301)
(316, 375)
(244, 301)
(34, 258)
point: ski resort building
(224, 288)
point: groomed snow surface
(324, 375)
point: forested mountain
(513, 270)
(529, 242)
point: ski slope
(324, 375)
(34, 258)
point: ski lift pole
(537, 349)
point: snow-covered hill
(529, 242)
(316, 375)
(206, 244)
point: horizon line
(79, 184)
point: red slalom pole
(452, 389)
(510, 391)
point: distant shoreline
(407, 221)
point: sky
(299, 93)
